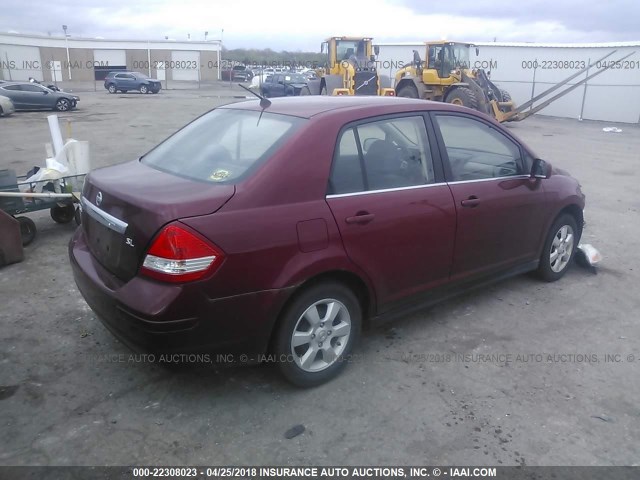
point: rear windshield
(223, 145)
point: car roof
(310, 106)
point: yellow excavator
(446, 76)
(350, 69)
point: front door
(501, 209)
(395, 215)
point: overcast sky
(302, 25)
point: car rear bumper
(156, 317)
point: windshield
(295, 78)
(461, 54)
(348, 48)
(140, 75)
(221, 146)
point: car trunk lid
(126, 205)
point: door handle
(470, 202)
(360, 217)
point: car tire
(111, 88)
(559, 249)
(63, 105)
(144, 89)
(325, 321)
(28, 230)
(62, 214)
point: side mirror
(45, 92)
(540, 169)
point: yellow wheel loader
(350, 69)
(445, 76)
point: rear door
(500, 208)
(395, 214)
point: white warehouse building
(74, 59)
(525, 70)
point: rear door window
(381, 155)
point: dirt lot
(512, 374)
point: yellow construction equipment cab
(350, 69)
(445, 75)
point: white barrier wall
(525, 70)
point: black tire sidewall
(289, 319)
(62, 214)
(544, 269)
(29, 236)
(408, 88)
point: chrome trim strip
(398, 189)
(511, 177)
(103, 217)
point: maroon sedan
(281, 229)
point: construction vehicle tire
(408, 91)
(463, 96)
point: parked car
(284, 85)
(128, 81)
(238, 72)
(6, 106)
(32, 96)
(279, 229)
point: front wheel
(464, 97)
(144, 89)
(63, 105)
(408, 91)
(559, 249)
(317, 333)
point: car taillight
(179, 255)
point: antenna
(264, 102)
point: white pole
(219, 47)
(36, 195)
(149, 57)
(66, 42)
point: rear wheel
(559, 249)
(112, 88)
(144, 89)
(464, 97)
(63, 105)
(62, 214)
(408, 91)
(27, 230)
(317, 333)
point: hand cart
(60, 196)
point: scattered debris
(604, 418)
(7, 391)
(612, 130)
(294, 431)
